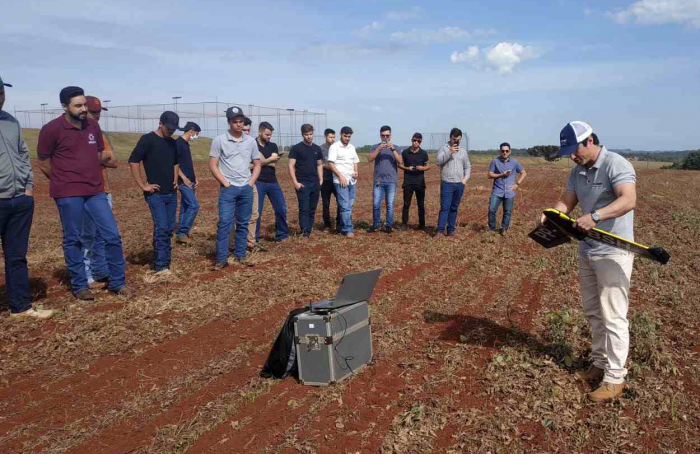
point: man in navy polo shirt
(70, 154)
(503, 171)
(386, 159)
(158, 152)
(306, 170)
(186, 182)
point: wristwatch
(595, 216)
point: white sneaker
(40, 314)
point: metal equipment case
(332, 344)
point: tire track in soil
(131, 433)
(273, 414)
(386, 384)
(531, 293)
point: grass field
(476, 337)
(124, 143)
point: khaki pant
(605, 284)
(251, 224)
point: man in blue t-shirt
(386, 159)
(306, 170)
(503, 171)
(186, 181)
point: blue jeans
(273, 191)
(450, 197)
(94, 249)
(72, 211)
(308, 201)
(346, 199)
(189, 207)
(381, 191)
(163, 208)
(494, 202)
(233, 201)
(16, 216)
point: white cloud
(439, 36)
(502, 57)
(470, 54)
(414, 12)
(367, 30)
(661, 12)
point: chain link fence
(210, 116)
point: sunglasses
(417, 140)
(505, 151)
(385, 135)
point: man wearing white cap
(604, 184)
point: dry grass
(476, 339)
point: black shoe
(421, 227)
(503, 231)
(389, 229)
(220, 265)
(371, 230)
(85, 295)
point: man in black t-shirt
(306, 170)
(268, 185)
(158, 152)
(415, 163)
(186, 182)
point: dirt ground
(476, 337)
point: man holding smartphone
(415, 163)
(455, 170)
(503, 171)
(268, 185)
(386, 159)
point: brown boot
(591, 375)
(606, 392)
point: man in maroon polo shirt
(70, 154)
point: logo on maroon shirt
(91, 140)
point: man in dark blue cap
(71, 151)
(16, 213)
(604, 185)
(187, 182)
(158, 152)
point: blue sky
(513, 71)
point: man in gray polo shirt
(229, 162)
(604, 185)
(455, 170)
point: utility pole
(175, 98)
(107, 101)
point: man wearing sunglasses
(386, 159)
(503, 171)
(455, 170)
(415, 163)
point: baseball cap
(3, 84)
(190, 125)
(69, 93)
(233, 112)
(573, 134)
(94, 104)
(170, 119)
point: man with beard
(267, 184)
(306, 170)
(158, 152)
(70, 152)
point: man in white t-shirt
(343, 160)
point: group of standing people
(74, 154)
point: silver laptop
(354, 288)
